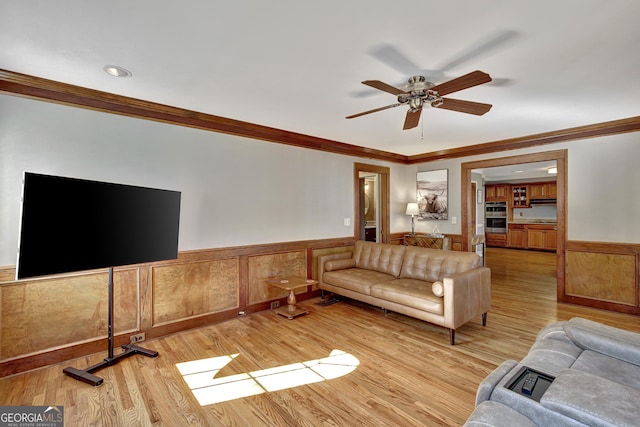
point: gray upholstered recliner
(594, 372)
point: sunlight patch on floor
(200, 376)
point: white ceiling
(514, 173)
(298, 65)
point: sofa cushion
(434, 264)
(339, 264)
(356, 279)
(552, 356)
(608, 367)
(614, 342)
(437, 288)
(381, 257)
(592, 400)
(554, 331)
(411, 293)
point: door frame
(384, 175)
(560, 156)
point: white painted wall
(235, 191)
(603, 201)
(238, 191)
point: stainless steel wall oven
(495, 216)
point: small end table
(290, 283)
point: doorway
(369, 214)
(468, 198)
(371, 196)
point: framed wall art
(432, 188)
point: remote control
(529, 384)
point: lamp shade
(412, 209)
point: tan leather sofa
(446, 288)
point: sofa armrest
(323, 259)
(466, 296)
(604, 339)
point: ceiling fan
(419, 92)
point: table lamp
(413, 210)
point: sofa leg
(452, 336)
(484, 319)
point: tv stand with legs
(86, 375)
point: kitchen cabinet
(519, 196)
(542, 237)
(496, 240)
(550, 190)
(496, 193)
(517, 236)
(543, 190)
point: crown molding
(32, 87)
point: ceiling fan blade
(474, 78)
(468, 107)
(412, 119)
(384, 87)
(373, 111)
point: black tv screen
(70, 224)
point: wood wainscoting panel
(262, 267)
(186, 290)
(43, 313)
(610, 277)
(7, 274)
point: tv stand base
(86, 375)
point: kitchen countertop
(534, 221)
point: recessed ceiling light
(117, 71)
(518, 171)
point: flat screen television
(70, 224)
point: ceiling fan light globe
(415, 103)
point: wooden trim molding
(384, 174)
(631, 124)
(63, 93)
(468, 198)
(27, 86)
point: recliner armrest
(491, 381)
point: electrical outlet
(137, 337)
(275, 304)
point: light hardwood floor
(408, 374)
